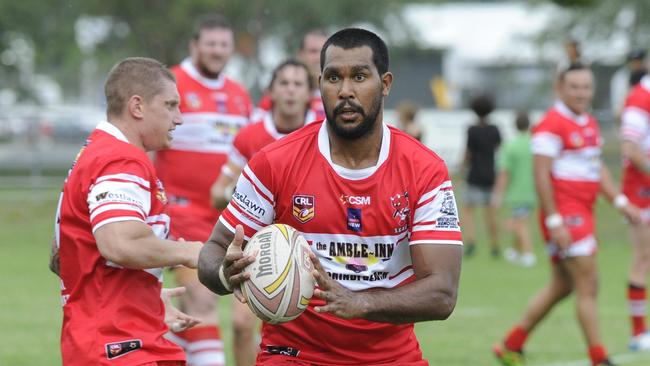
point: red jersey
(254, 137)
(111, 315)
(574, 143)
(315, 106)
(359, 223)
(635, 127)
(213, 111)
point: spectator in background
(515, 187)
(483, 139)
(406, 113)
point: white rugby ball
(281, 283)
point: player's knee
(243, 324)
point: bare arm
(432, 296)
(54, 259)
(542, 166)
(613, 195)
(633, 152)
(221, 190)
(132, 244)
(500, 188)
(224, 249)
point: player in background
(635, 136)
(290, 90)
(309, 54)
(349, 181)
(110, 231)
(516, 188)
(569, 175)
(213, 109)
(483, 139)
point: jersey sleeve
(121, 192)
(252, 204)
(546, 139)
(435, 219)
(635, 124)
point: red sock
(203, 346)
(637, 301)
(597, 354)
(516, 338)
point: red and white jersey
(111, 315)
(254, 137)
(359, 223)
(213, 111)
(574, 143)
(635, 127)
(315, 106)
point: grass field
(492, 296)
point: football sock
(515, 339)
(203, 346)
(597, 354)
(637, 302)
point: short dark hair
(522, 122)
(574, 66)
(482, 105)
(291, 62)
(134, 76)
(209, 21)
(356, 37)
(313, 32)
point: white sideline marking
(619, 359)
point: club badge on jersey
(401, 210)
(304, 208)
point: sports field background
(493, 294)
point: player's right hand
(234, 263)
(561, 236)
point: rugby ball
(281, 283)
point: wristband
(222, 278)
(553, 221)
(620, 201)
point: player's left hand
(631, 213)
(176, 320)
(340, 301)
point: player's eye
(333, 78)
(359, 77)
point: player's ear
(387, 81)
(135, 106)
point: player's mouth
(348, 112)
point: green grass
(492, 297)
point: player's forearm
(607, 186)
(429, 298)
(545, 191)
(210, 260)
(633, 153)
(54, 261)
(149, 252)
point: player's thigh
(640, 235)
(584, 273)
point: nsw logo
(304, 207)
(354, 219)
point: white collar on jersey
(353, 174)
(112, 130)
(580, 120)
(269, 124)
(645, 82)
(189, 68)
